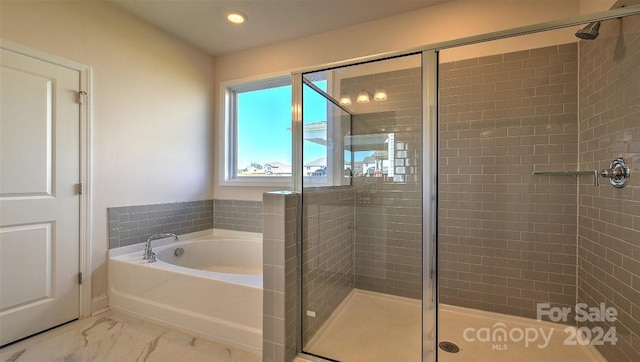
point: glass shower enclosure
(362, 212)
(475, 200)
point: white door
(39, 205)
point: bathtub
(213, 290)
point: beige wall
(152, 105)
(448, 21)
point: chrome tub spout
(149, 255)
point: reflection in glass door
(362, 212)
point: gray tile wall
(388, 215)
(507, 238)
(609, 222)
(237, 215)
(292, 255)
(280, 283)
(327, 254)
(134, 224)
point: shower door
(363, 230)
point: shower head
(589, 32)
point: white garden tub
(213, 290)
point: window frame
(229, 91)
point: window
(258, 132)
(258, 143)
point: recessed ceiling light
(236, 17)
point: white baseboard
(99, 304)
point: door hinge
(81, 96)
(80, 278)
(79, 189)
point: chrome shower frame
(430, 144)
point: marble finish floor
(372, 327)
(114, 336)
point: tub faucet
(149, 255)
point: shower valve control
(612, 173)
(618, 173)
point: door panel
(26, 134)
(39, 208)
(28, 246)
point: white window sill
(267, 182)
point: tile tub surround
(237, 215)
(508, 238)
(609, 219)
(280, 285)
(114, 336)
(134, 224)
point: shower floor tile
(372, 327)
(114, 336)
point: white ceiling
(203, 22)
